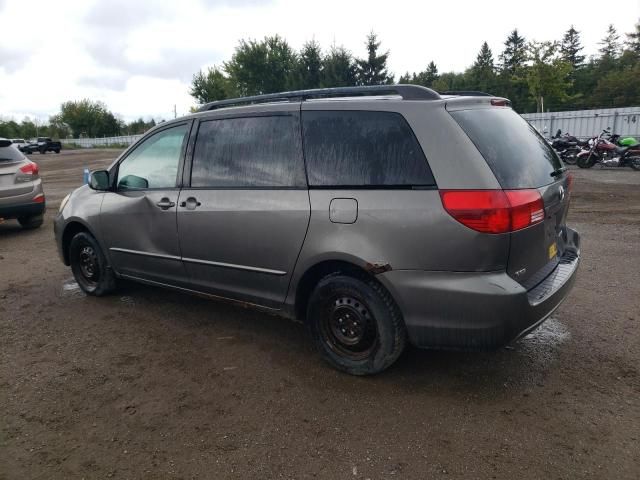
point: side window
(360, 148)
(154, 163)
(248, 152)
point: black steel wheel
(355, 323)
(89, 266)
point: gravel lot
(154, 384)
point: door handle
(165, 203)
(191, 203)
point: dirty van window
(518, 156)
(361, 149)
(248, 152)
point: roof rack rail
(407, 92)
(466, 93)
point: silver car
(376, 215)
(21, 193)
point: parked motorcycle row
(606, 150)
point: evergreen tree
(610, 44)
(633, 40)
(482, 73)
(373, 69)
(514, 55)
(308, 69)
(338, 68)
(424, 78)
(570, 48)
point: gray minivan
(376, 215)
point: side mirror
(133, 182)
(99, 180)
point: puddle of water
(551, 333)
(128, 300)
(71, 289)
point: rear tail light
(494, 211)
(39, 198)
(30, 169)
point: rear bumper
(22, 210)
(478, 310)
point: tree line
(534, 75)
(83, 118)
(549, 75)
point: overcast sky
(138, 56)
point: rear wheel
(89, 265)
(29, 223)
(355, 323)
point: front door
(138, 218)
(243, 219)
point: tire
(586, 162)
(30, 223)
(634, 162)
(43, 151)
(57, 150)
(89, 266)
(375, 334)
(570, 158)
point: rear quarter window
(362, 149)
(516, 153)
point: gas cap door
(343, 210)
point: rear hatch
(522, 160)
(13, 181)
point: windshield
(516, 153)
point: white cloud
(138, 56)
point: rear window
(362, 149)
(516, 153)
(10, 154)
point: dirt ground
(154, 384)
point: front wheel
(586, 161)
(355, 323)
(634, 162)
(89, 265)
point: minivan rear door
(521, 159)
(243, 219)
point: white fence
(101, 142)
(588, 123)
(581, 123)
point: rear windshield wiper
(559, 171)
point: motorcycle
(608, 154)
(567, 146)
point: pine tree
(633, 40)
(308, 69)
(373, 69)
(338, 68)
(430, 74)
(482, 73)
(570, 48)
(514, 55)
(610, 44)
